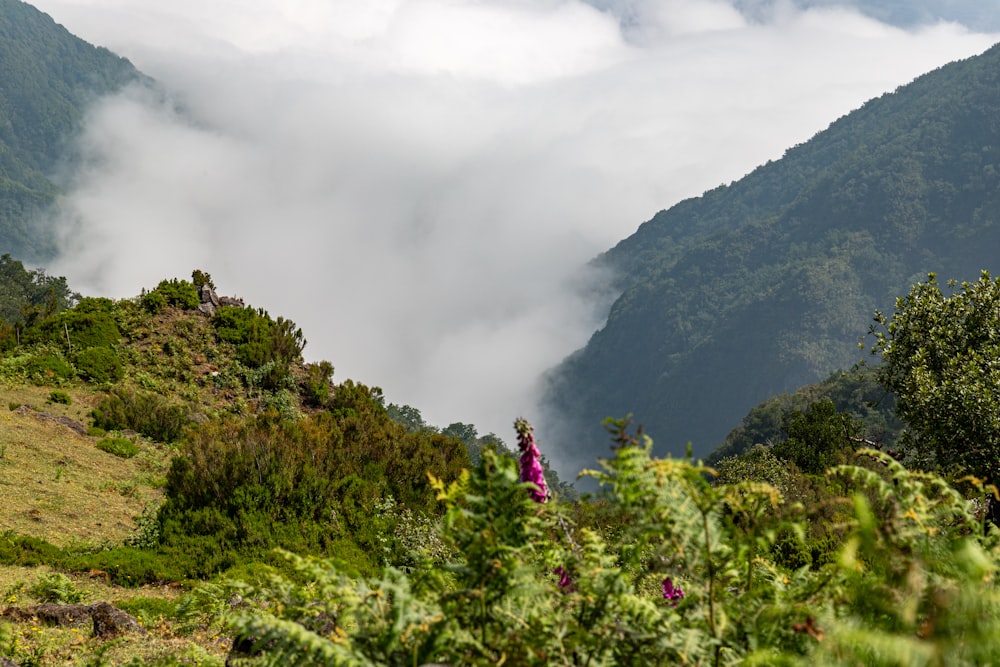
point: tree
(942, 358)
(818, 437)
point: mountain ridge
(50, 78)
(767, 284)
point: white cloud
(418, 182)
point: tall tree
(942, 358)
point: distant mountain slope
(765, 285)
(47, 77)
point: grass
(55, 484)
(165, 639)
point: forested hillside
(767, 284)
(49, 77)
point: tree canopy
(941, 356)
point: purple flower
(565, 582)
(531, 466)
(670, 592)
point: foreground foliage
(688, 575)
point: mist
(419, 184)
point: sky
(419, 184)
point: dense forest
(49, 78)
(767, 284)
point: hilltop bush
(176, 293)
(148, 414)
(258, 338)
(90, 324)
(99, 364)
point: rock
(244, 648)
(50, 614)
(109, 621)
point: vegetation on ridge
(765, 285)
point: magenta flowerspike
(672, 593)
(531, 466)
(565, 581)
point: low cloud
(419, 183)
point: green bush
(154, 302)
(148, 414)
(55, 587)
(120, 447)
(179, 294)
(27, 551)
(133, 567)
(99, 364)
(258, 338)
(246, 485)
(60, 397)
(318, 383)
(90, 324)
(49, 367)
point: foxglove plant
(531, 466)
(670, 592)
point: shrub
(317, 384)
(246, 485)
(99, 364)
(177, 293)
(120, 447)
(258, 338)
(55, 587)
(686, 577)
(154, 302)
(200, 278)
(49, 367)
(149, 414)
(89, 324)
(28, 551)
(60, 397)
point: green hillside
(759, 287)
(169, 462)
(47, 79)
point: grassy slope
(56, 485)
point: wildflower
(670, 592)
(565, 581)
(531, 467)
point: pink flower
(565, 581)
(670, 592)
(531, 466)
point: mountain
(47, 79)
(759, 287)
